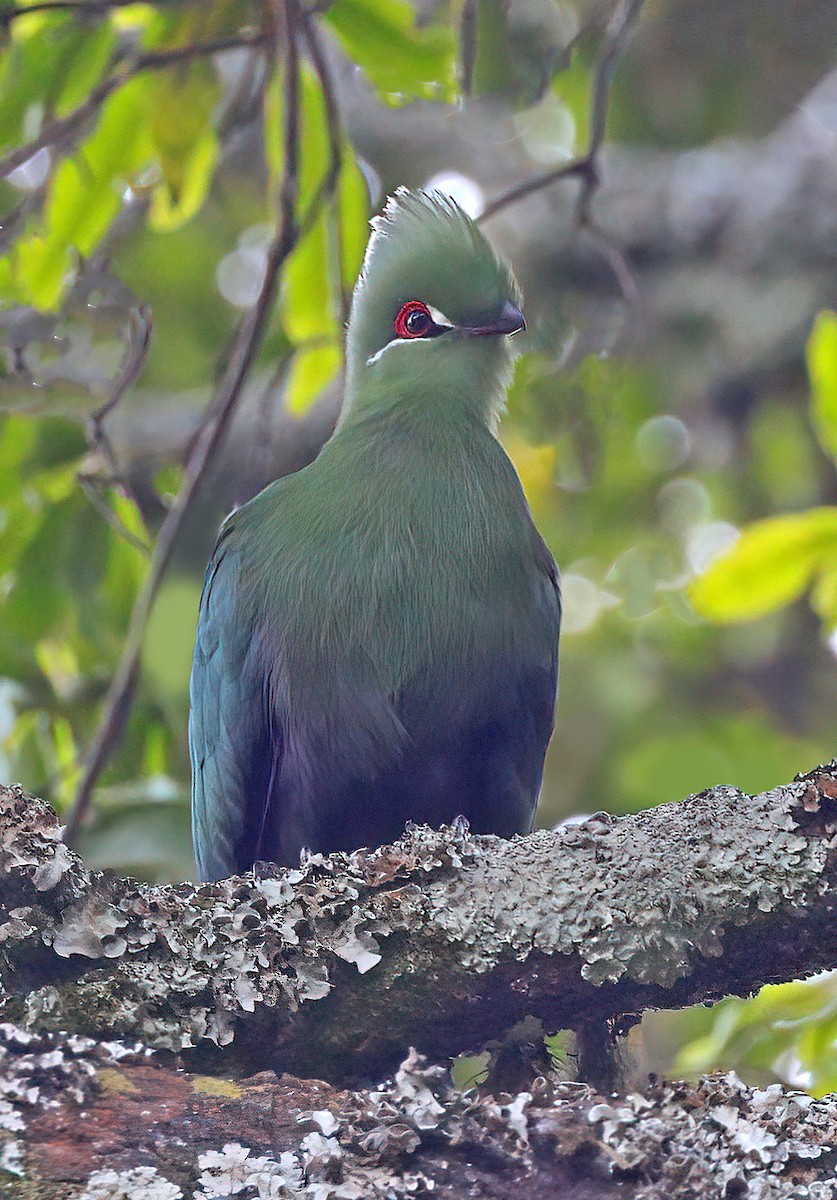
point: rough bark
(441, 941)
(86, 1120)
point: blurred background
(673, 415)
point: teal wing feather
(230, 737)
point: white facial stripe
(439, 317)
(395, 341)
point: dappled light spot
(583, 602)
(707, 541)
(466, 192)
(663, 443)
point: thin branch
(63, 128)
(81, 7)
(617, 36)
(586, 169)
(576, 168)
(468, 46)
(91, 486)
(220, 413)
(139, 341)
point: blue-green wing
(234, 753)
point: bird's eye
(415, 321)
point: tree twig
(220, 412)
(586, 168)
(334, 128)
(468, 46)
(82, 8)
(62, 128)
(139, 341)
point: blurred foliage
(161, 189)
(776, 560)
(786, 1033)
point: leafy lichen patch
(731, 854)
(638, 900)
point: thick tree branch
(121, 1123)
(442, 941)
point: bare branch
(139, 341)
(467, 46)
(586, 168)
(145, 1122)
(81, 8)
(219, 414)
(92, 486)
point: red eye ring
(414, 320)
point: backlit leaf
(312, 369)
(822, 368)
(400, 59)
(771, 564)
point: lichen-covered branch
(442, 941)
(86, 1120)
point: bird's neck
(474, 391)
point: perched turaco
(378, 633)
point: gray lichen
(720, 857)
(636, 901)
(713, 1139)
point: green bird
(378, 633)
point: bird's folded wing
(229, 727)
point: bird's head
(432, 310)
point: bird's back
(401, 612)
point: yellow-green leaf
(824, 597)
(41, 270)
(170, 207)
(180, 121)
(308, 310)
(353, 208)
(313, 133)
(401, 59)
(822, 368)
(310, 371)
(771, 564)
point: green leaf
(313, 134)
(822, 368)
(401, 60)
(308, 301)
(50, 65)
(42, 270)
(311, 371)
(771, 564)
(84, 196)
(172, 208)
(88, 63)
(353, 210)
(185, 142)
